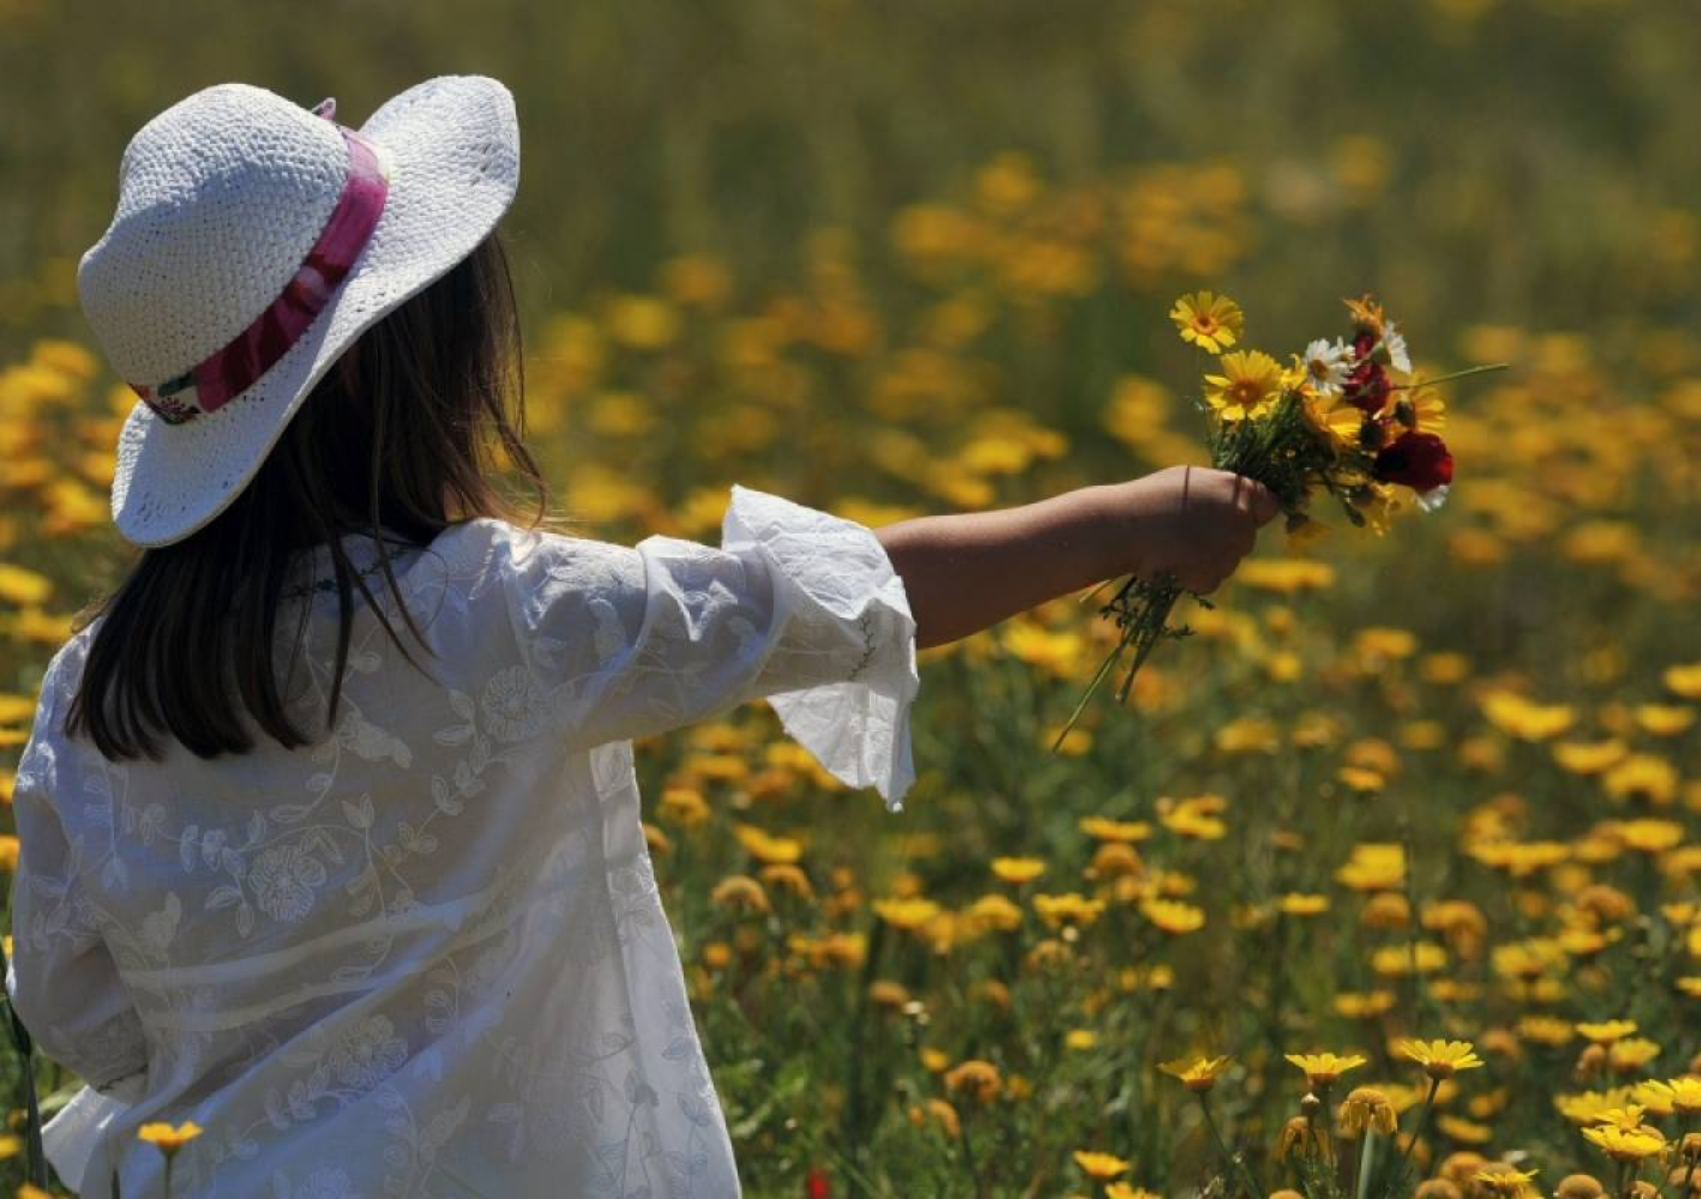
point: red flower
(816, 1184)
(1416, 460)
(1367, 387)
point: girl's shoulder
(488, 549)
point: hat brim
(454, 147)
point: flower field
(1385, 881)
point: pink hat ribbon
(229, 372)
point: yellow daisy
(1209, 321)
(165, 1138)
(1100, 1165)
(1504, 1180)
(1367, 1107)
(1248, 387)
(1442, 1059)
(1197, 1074)
(1341, 423)
(1627, 1144)
(1607, 1031)
(1017, 870)
(1323, 1069)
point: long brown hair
(403, 437)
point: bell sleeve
(797, 606)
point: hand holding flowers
(1347, 418)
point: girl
(330, 833)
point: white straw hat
(254, 241)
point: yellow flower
(25, 588)
(888, 994)
(1642, 776)
(1581, 757)
(1367, 1005)
(1122, 1190)
(165, 1138)
(1286, 576)
(1631, 1055)
(1442, 1059)
(979, 1078)
(1684, 1093)
(1173, 916)
(1367, 313)
(1374, 867)
(1664, 720)
(1505, 1181)
(1421, 410)
(1607, 1032)
(1295, 904)
(1072, 908)
(1340, 422)
(993, 912)
(1209, 321)
(1367, 1107)
(1100, 1165)
(1627, 1117)
(740, 891)
(1197, 1074)
(943, 1112)
(1248, 386)
(1018, 870)
(1522, 718)
(907, 914)
(685, 805)
(1102, 828)
(1300, 1136)
(641, 322)
(1591, 1107)
(1684, 681)
(1357, 778)
(788, 878)
(1323, 1069)
(765, 847)
(1627, 1144)
(1194, 818)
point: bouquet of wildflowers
(1347, 418)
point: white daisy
(1432, 499)
(1395, 341)
(1326, 366)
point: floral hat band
(230, 371)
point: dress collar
(314, 571)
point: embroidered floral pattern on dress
(435, 938)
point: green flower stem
(1141, 610)
(1364, 1166)
(1411, 1141)
(1448, 378)
(969, 1154)
(1232, 1162)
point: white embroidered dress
(427, 957)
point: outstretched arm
(968, 571)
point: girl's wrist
(1113, 520)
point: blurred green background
(1531, 161)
